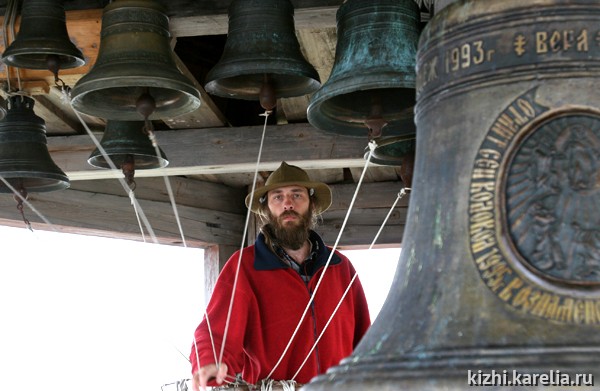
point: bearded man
(286, 288)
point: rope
(400, 195)
(239, 261)
(137, 208)
(24, 200)
(137, 215)
(372, 146)
(152, 138)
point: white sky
(96, 314)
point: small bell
(135, 58)
(43, 41)
(262, 58)
(24, 157)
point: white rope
(138, 210)
(239, 261)
(372, 146)
(288, 385)
(137, 215)
(400, 195)
(266, 385)
(152, 138)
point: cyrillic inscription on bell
(499, 275)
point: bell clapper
(375, 121)
(146, 105)
(53, 62)
(20, 197)
(267, 96)
(128, 169)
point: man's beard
(293, 234)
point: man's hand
(208, 372)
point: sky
(81, 312)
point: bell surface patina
(373, 77)
(122, 139)
(24, 158)
(42, 33)
(135, 58)
(261, 48)
(498, 282)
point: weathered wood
(105, 212)
(111, 214)
(362, 237)
(187, 192)
(206, 116)
(306, 16)
(55, 118)
(214, 260)
(359, 217)
(370, 195)
(223, 150)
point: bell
(134, 59)
(392, 150)
(43, 41)
(498, 282)
(24, 158)
(372, 82)
(262, 58)
(123, 140)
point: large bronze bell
(498, 282)
(262, 53)
(43, 41)
(372, 83)
(24, 158)
(134, 59)
(127, 141)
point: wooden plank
(206, 116)
(57, 122)
(103, 212)
(362, 237)
(223, 150)
(307, 15)
(371, 216)
(214, 260)
(370, 195)
(187, 192)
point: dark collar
(266, 259)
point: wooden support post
(214, 260)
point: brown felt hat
(287, 175)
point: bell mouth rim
(143, 161)
(84, 92)
(382, 142)
(54, 182)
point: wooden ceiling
(212, 151)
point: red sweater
(269, 301)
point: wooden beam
(116, 217)
(187, 192)
(109, 213)
(206, 116)
(214, 260)
(223, 150)
(307, 15)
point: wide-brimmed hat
(288, 175)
